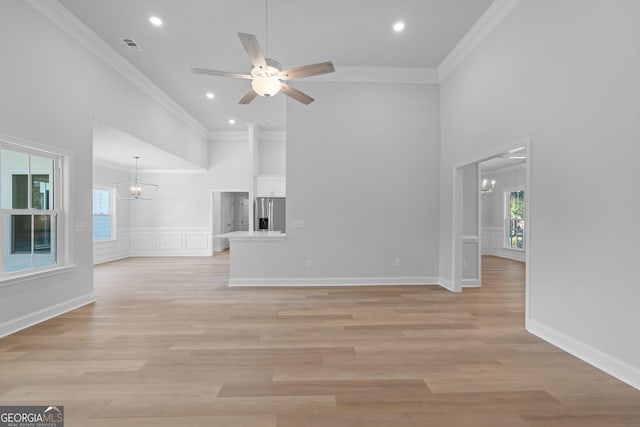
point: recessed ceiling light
(398, 26)
(210, 95)
(231, 121)
(155, 21)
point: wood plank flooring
(168, 344)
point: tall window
(514, 219)
(102, 214)
(30, 208)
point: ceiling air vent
(131, 44)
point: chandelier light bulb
(266, 86)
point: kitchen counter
(250, 236)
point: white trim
(505, 169)
(446, 284)
(35, 146)
(471, 283)
(334, 281)
(23, 322)
(169, 229)
(170, 241)
(355, 74)
(613, 366)
(504, 253)
(33, 274)
(259, 239)
(111, 250)
(490, 19)
(456, 229)
(228, 135)
(195, 171)
(68, 22)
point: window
(30, 208)
(102, 214)
(514, 219)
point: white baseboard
(170, 253)
(445, 283)
(621, 370)
(505, 253)
(470, 283)
(23, 322)
(171, 242)
(104, 259)
(333, 281)
(112, 250)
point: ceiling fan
(267, 76)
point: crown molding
(504, 169)
(198, 171)
(274, 135)
(344, 74)
(227, 135)
(243, 135)
(490, 19)
(68, 22)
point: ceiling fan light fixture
(266, 86)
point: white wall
(564, 72)
(493, 211)
(272, 158)
(52, 88)
(470, 233)
(119, 247)
(178, 221)
(363, 175)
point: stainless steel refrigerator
(270, 213)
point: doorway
(230, 212)
(491, 213)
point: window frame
(60, 184)
(507, 217)
(112, 212)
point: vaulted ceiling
(203, 33)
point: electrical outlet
(397, 262)
(309, 263)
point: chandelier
(487, 187)
(136, 189)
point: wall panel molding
(335, 281)
(170, 241)
(112, 250)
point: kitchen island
(249, 236)
(249, 255)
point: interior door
(227, 212)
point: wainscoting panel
(170, 242)
(492, 244)
(112, 250)
(195, 241)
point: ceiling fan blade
(251, 45)
(221, 73)
(250, 96)
(307, 71)
(296, 94)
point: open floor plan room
(168, 343)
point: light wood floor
(168, 344)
